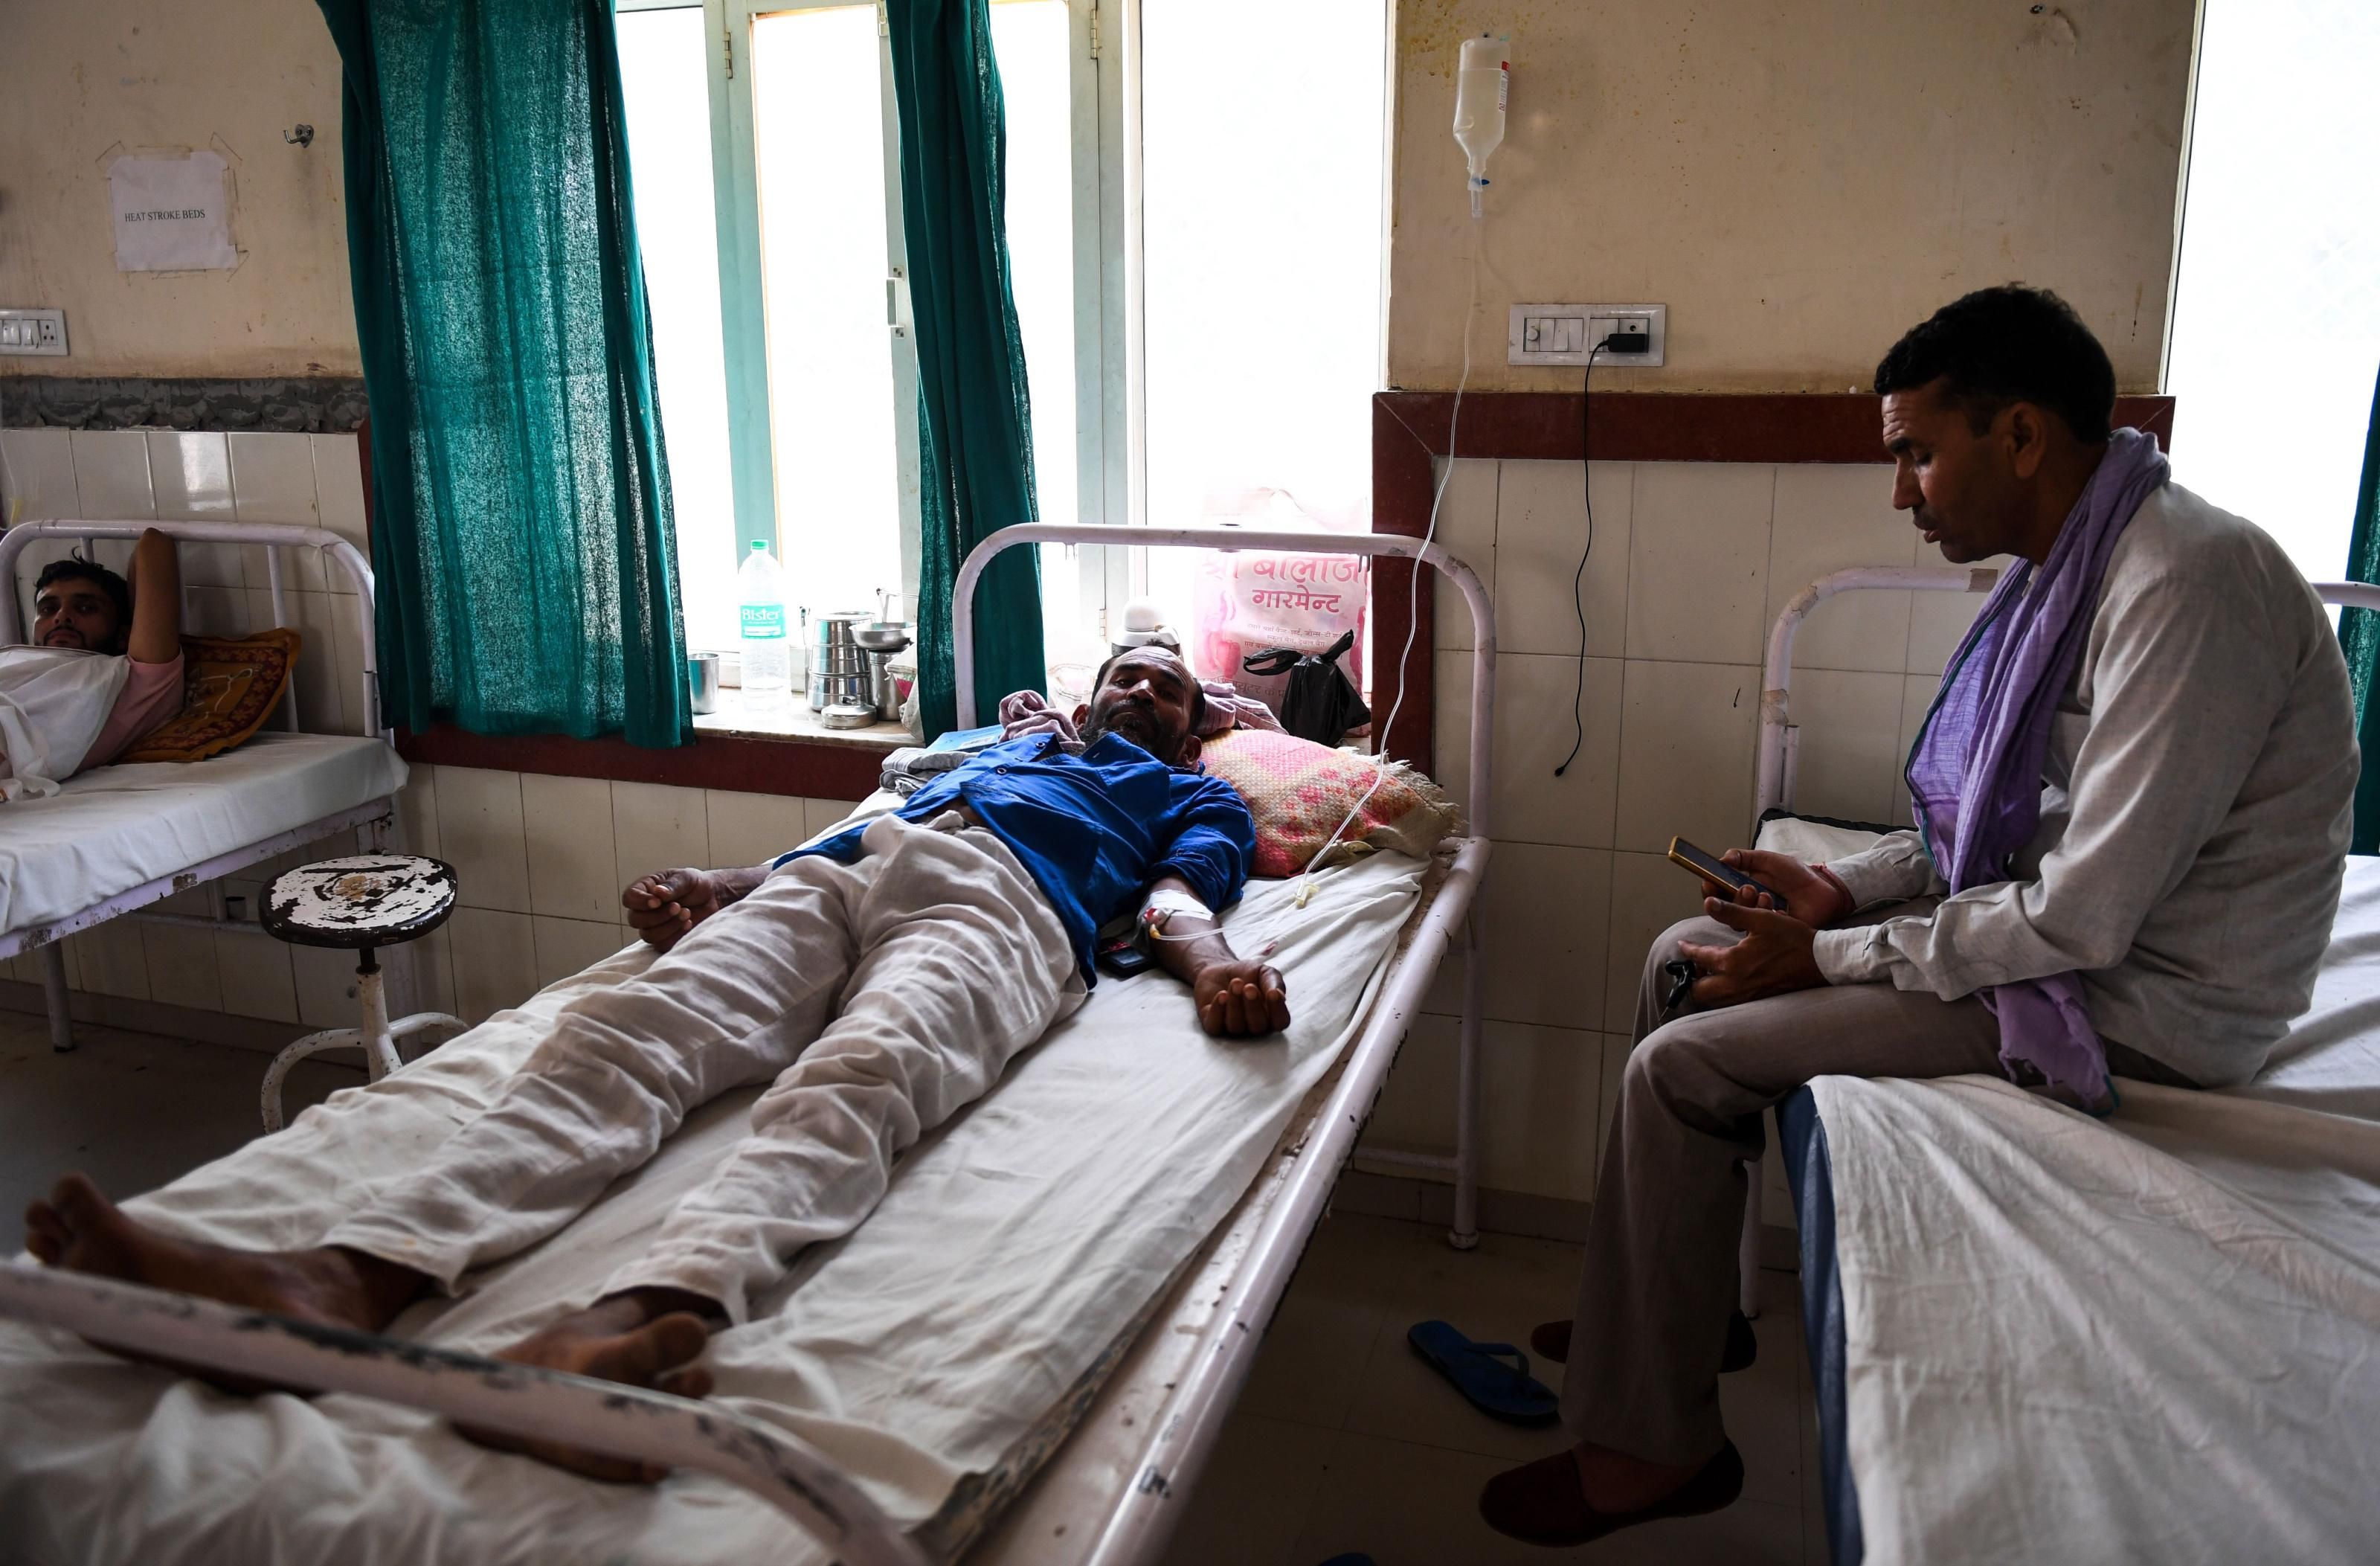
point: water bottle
(768, 666)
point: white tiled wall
(540, 862)
(1691, 563)
(138, 475)
(542, 859)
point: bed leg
(1747, 1246)
(55, 997)
(1465, 1235)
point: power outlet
(1567, 333)
(42, 332)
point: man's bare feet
(643, 1337)
(77, 1230)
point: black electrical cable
(1578, 698)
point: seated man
(882, 978)
(60, 716)
(2134, 793)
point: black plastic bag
(1321, 704)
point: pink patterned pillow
(1299, 791)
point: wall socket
(33, 331)
(1565, 334)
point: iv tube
(1480, 86)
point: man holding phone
(2134, 793)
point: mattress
(2152, 1338)
(1014, 1249)
(117, 828)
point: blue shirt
(1092, 830)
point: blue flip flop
(1502, 1391)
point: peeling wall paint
(1798, 182)
(78, 80)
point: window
(2276, 306)
(1201, 321)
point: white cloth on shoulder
(54, 701)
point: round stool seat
(365, 900)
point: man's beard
(1137, 724)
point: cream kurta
(2196, 805)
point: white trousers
(883, 996)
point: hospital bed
(118, 839)
(1134, 1403)
(2033, 1336)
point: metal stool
(358, 904)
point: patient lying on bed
(103, 670)
(882, 976)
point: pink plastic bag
(1249, 600)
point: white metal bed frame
(1780, 746)
(374, 816)
(806, 1486)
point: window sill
(786, 752)
(793, 721)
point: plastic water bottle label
(764, 622)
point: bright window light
(1029, 42)
(2276, 314)
(819, 137)
(662, 80)
(1263, 159)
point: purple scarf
(1974, 774)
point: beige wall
(1691, 564)
(78, 78)
(1798, 182)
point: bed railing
(1780, 739)
(1184, 1431)
(274, 537)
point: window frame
(1104, 189)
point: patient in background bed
(89, 711)
(2136, 783)
(879, 979)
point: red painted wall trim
(1410, 429)
(741, 763)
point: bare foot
(77, 1230)
(1614, 1482)
(643, 1337)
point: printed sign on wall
(172, 213)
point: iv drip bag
(1480, 86)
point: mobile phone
(1686, 856)
(1121, 956)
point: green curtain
(2359, 633)
(974, 420)
(521, 528)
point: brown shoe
(1552, 1341)
(1541, 1502)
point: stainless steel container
(884, 641)
(839, 672)
(702, 680)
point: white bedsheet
(1013, 1248)
(2152, 1339)
(118, 827)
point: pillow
(229, 687)
(1816, 840)
(1299, 791)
